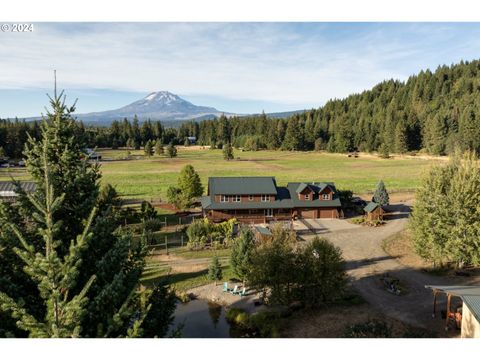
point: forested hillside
(432, 111)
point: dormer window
(325, 197)
(265, 198)
(250, 197)
(223, 198)
(236, 198)
(307, 196)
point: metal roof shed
(470, 296)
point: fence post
(165, 221)
(166, 244)
(182, 240)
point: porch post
(449, 298)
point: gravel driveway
(366, 262)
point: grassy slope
(149, 178)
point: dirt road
(367, 262)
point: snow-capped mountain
(160, 105)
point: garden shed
(373, 211)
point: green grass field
(149, 178)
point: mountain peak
(162, 96)
(158, 105)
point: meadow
(141, 177)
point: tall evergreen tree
(242, 254)
(228, 151)
(381, 195)
(171, 150)
(76, 249)
(148, 149)
(159, 150)
(401, 138)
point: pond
(202, 319)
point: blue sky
(235, 67)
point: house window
(268, 212)
(325, 197)
(250, 197)
(236, 198)
(307, 196)
(223, 198)
(265, 198)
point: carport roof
(470, 296)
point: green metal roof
(470, 296)
(248, 185)
(263, 230)
(286, 197)
(371, 206)
(27, 186)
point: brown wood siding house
(255, 200)
(374, 211)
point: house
(8, 190)
(373, 211)
(192, 140)
(255, 200)
(466, 317)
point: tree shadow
(356, 264)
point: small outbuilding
(8, 189)
(373, 211)
(466, 317)
(261, 233)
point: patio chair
(242, 293)
(237, 291)
(225, 287)
(234, 290)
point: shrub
(267, 323)
(147, 211)
(358, 220)
(152, 224)
(201, 233)
(369, 329)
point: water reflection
(202, 319)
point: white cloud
(282, 63)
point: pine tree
(215, 270)
(148, 149)
(171, 150)
(67, 190)
(228, 152)
(54, 274)
(242, 253)
(383, 151)
(400, 138)
(159, 150)
(294, 136)
(189, 187)
(189, 184)
(381, 195)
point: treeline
(434, 112)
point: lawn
(149, 178)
